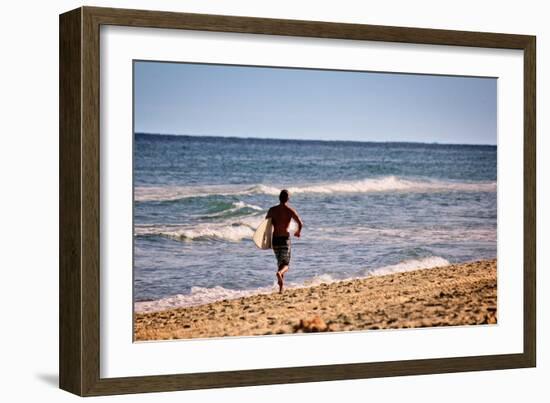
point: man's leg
(281, 276)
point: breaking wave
(233, 209)
(408, 265)
(372, 185)
(228, 231)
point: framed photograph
(249, 201)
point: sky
(286, 103)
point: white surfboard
(262, 236)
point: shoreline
(454, 295)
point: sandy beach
(455, 295)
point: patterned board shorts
(281, 247)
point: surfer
(281, 215)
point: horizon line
(318, 140)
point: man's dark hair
(283, 196)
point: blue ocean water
(368, 208)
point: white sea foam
(198, 296)
(203, 295)
(240, 204)
(372, 185)
(232, 231)
(243, 228)
(319, 279)
(394, 184)
(408, 265)
(168, 193)
(236, 207)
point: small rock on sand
(312, 325)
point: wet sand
(455, 295)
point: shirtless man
(281, 215)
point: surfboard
(262, 236)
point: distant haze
(285, 103)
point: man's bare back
(281, 215)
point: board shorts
(281, 247)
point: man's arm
(298, 220)
(269, 213)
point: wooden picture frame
(79, 280)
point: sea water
(368, 209)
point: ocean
(368, 209)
